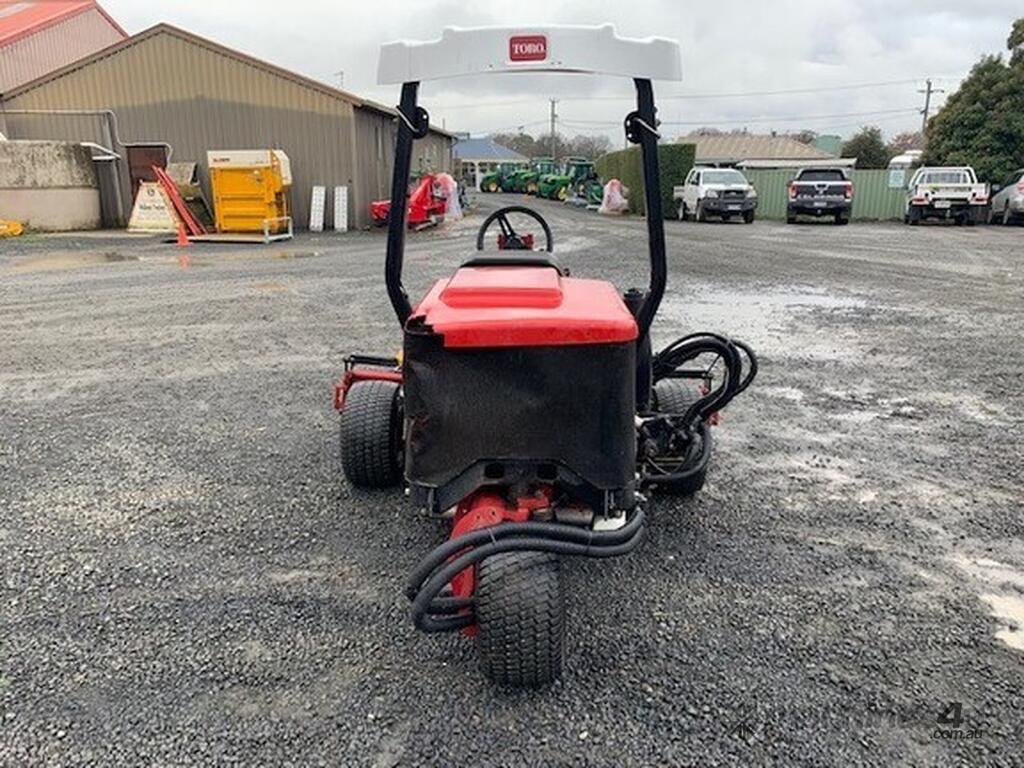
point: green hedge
(626, 165)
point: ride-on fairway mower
(527, 409)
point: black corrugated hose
(433, 613)
(691, 427)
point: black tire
(371, 435)
(701, 216)
(682, 211)
(842, 219)
(748, 217)
(520, 614)
(676, 396)
(1007, 216)
(491, 187)
(791, 218)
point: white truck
(720, 192)
(946, 193)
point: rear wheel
(531, 188)
(371, 434)
(676, 396)
(520, 613)
(563, 193)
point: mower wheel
(676, 396)
(371, 434)
(520, 613)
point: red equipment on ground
(427, 205)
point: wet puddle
(1006, 608)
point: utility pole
(340, 75)
(554, 141)
(928, 91)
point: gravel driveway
(188, 580)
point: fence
(873, 198)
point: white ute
(946, 193)
(722, 192)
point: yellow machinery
(250, 191)
(10, 228)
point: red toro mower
(426, 207)
(527, 409)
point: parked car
(721, 192)
(946, 193)
(820, 192)
(1008, 200)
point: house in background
(38, 37)
(478, 157)
(750, 151)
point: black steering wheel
(509, 239)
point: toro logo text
(527, 48)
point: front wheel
(701, 216)
(748, 217)
(520, 614)
(491, 187)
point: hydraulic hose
(432, 613)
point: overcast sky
(741, 46)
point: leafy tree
(523, 143)
(902, 142)
(804, 136)
(590, 147)
(868, 147)
(982, 124)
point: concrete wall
(48, 185)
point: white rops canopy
(596, 50)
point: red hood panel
(524, 307)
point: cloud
(750, 46)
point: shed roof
(733, 148)
(170, 29)
(21, 18)
(486, 150)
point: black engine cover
(562, 415)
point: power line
(760, 119)
(732, 95)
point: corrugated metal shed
(166, 84)
(39, 37)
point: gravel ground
(188, 580)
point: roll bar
(641, 128)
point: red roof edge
(49, 21)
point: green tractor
(498, 179)
(578, 178)
(527, 180)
